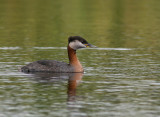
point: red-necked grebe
(74, 43)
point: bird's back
(47, 66)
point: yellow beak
(90, 45)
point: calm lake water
(122, 75)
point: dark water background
(122, 75)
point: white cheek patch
(76, 45)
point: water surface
(121, 78)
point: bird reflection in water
(72, 85)
(73, 81)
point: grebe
(74, 43)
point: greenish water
(122, 75)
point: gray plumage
(48, 66)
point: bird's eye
(83, 42)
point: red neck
(73, 60)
